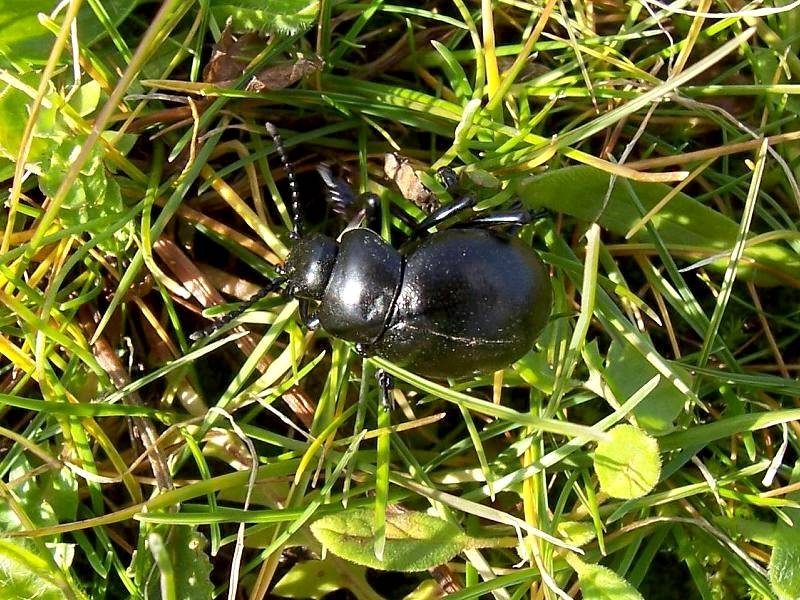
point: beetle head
(309, 266)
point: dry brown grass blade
(144, 430)
(187, 273)
(687, 157)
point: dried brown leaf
(281, 76)
(232, 53)
(400, 171)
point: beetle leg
(386, 385)
(499, 218)
(363, 349)
(448, 179)
(372, 210)
(437, 217)
(310, 319)
(517, 217)
(345, 203)
(338, 194)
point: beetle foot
(309, 318)
(371, 204)
(460, 205)
(448, 179)
(338, 194)
(386, 385)
(513, 219)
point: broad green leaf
(628, 370)
(24, 40)
(268, 16)
(123, 143)
(189, 565)
(478, 178)
(60, 491)
(580, 191)
(31, 500)
(14, 111)
(6, 169)
(784, 564)
(22, 36)
(51, 135)
(536, 371)
(25, 575)
(87, 98)
(25, 568)
(601, 583)
(415, 541)
(315, 578)
(628, 464)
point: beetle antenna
(221, 322)
(289, 168)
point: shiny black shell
(362, 288)
(465, 301)
(471, 301)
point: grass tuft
(143, 196)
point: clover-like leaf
(627, 464)
(415, 541)
(577, 533)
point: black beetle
(457, 302)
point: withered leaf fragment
(280, 76)
(399, 170)
(232, 53)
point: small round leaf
(628, 464)
(415, 541)
(601, 583)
